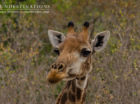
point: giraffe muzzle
(55, 76)
(60, 66)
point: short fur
(75, 67)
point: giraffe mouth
(55, 76)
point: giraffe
(74, 61)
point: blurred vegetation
(26, 53)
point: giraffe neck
(74, 92)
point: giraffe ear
(100, 41)
(55, 37)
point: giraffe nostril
(61, 66)
(54, 66)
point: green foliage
(26, 53)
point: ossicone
(86, 24)
(70, 24)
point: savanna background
(26, 53)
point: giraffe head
(74, 52)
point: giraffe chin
(54, 76)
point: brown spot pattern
(79, 92)
(72, 97)
(64, 98)
(68, 84)
(73, 86)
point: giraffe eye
(85, 52)
(56, 51)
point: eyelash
(85, 52)
(56, 51)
